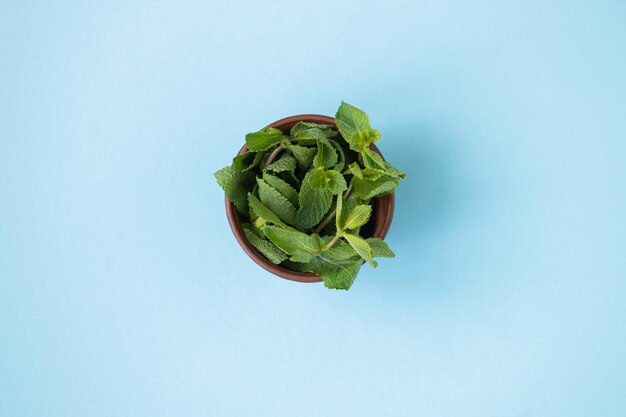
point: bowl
(378, 226)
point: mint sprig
(304, 196)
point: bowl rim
(381, 225)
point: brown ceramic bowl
(378, 226)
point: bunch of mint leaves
(304, 197)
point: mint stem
(277, 151)
(333, 241)
(273, 155)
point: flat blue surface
(124, 293)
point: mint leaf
(351, 120)
(348, 204)
(354, 126)
(264, 139)
(276, 202)
(285, 163)
(236, 185)
(367, 189)
(326, 155)
(309, 136)
(316, 195)
(247, 160)
(282, 187)
(294, 266)
(304, 156)
(301, 246)
(334, 181)
(380, 248)
(355, 170)
(338, 274)
(316, 178)
(259, 241)
(372, 160)
(307, 133)
(361, 247)
(372, 174)
(342, 251)
(357, 217)
(341, 160)
(393, 172)
(301, 127)
(263, 214)
(315, 199)
(367, 137)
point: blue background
(124, 293)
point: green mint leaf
(337, 274)
(372, 174)
(307, 133)
(309, 136)
(294, 266)
(286, 163)
(264, 139)
(347, 205)
(368, 137)
(316, 177)
(315, 199)
(393, 172)
(351, 120)
(334, 181)
(263, 214)
(361, 247)
(372, 160)
(247, 160)
(236, 185)
(342, 251)
(326, 156)
(366, 189)
(354, 126)
(316, 192)
(301, 247)
(276, 202)
(380, 248)
(355, 170)
(301, 258)
(304, 156)
(341, 160)
(282, 187)
(357, 217)
(300, 127)
(260, 242)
